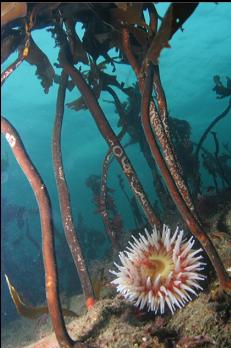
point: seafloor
(114, 323)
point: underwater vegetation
(159, 268)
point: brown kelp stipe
(103, 200)
(213, 123)
(151, 120)
(64, 199)
(107, 132)
(22, 55)
(42, 197)
(191, 222)
(112, 234)
(159, 119)
(160, 124)
(8, 71)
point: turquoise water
(187, 69)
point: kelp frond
(29, 311)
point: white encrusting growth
(159, 269)
(11, 139)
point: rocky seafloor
(115, 323)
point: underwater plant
(104, 201)
(28, 311)
(220, 89)
(123, 27)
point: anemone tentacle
(158, 269)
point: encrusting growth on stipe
(159, 268)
